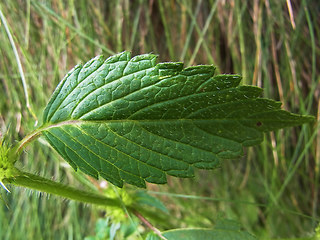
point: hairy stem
(41, 184)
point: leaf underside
(133, 120)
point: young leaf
(224, 230)
(209, 234)
(133, 120)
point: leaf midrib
(166, 121)
(167, 101)
(118, 150)
(156, 121)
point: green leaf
(193, 234)
(143, 198)
(208, 234)
(225, 229)
(133, 120)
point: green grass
(273, 191)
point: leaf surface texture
(135, 120)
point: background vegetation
(273, 191)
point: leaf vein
(105, 85)
(168, 101)
(64, 98)
(118, 150)
(70, 148)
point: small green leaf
(143, 198)
(208, 234)
(225, 229)
(133, 120)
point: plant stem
(36, 133)
(41, 184)
(32, 181)
(27, 139)
(148, 224)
